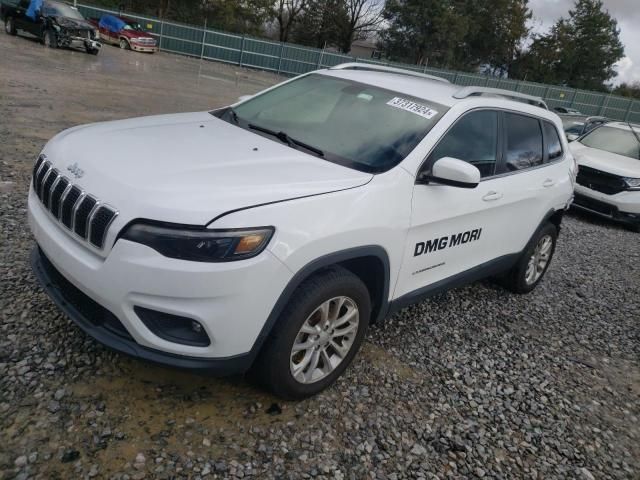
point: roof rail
(383, 68)
(519, 97)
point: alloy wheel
(324, 340)
(539, 260)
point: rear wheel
(317, 335)
(124, 44)
(50, 39)
(10, 26)
(534, 262)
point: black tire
(10, 26)
(124, 44)
(50, 40)
(92, 51)
(272, 368)
(515, 279)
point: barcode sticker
(413, 107)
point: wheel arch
(555, 217)
(369, 263)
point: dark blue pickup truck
(56, 24)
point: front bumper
(73, 41)
(103, 326)
(230, 300)
(622, 207)
(143, 48)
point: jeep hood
(605, 161)
(189, 168)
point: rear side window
(523, 142)
(554, 146)
(474, 139)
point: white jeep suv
(267, 236)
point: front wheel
(317, 336)
(124, 44)
(50, 39)
(10, 26)
(92, 51)
(534, 262)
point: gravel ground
(475, 383)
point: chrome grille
(150, 42)
(82, 213)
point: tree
(320, 24)
(461, 34)
(495, 34)
(423, 31)
(579, 51)
(546, 59)
(631, 90)
(362, 18)
(286, 13)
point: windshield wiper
(284, 138)
(234, 115)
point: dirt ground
(70, 409)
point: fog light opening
(174, 328)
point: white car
(608, 182)
(267, 236)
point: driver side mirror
(453, 172)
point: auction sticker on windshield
(413, 107)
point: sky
(627, 12)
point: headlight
(632, 183)
(96, 33)
(200, 244)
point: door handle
(492, 196)
(548, 183)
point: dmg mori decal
(448, 241)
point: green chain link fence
(291, 59)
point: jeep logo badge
(76, 170)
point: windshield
(614, 140)
(61, 10)
(357, 125)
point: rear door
(533, 175)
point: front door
(454, 229)
(21, 10)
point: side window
(554, 146)
(523, 142)
(474, 139)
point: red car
(127, 33)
